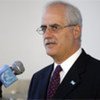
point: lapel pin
(73, 82)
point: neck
(61, 58)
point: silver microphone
(18, 67)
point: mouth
(50, 43)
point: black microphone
(8, 73)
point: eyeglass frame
(53, 28)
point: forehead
(54, 14)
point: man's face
(59, 44)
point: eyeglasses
(52, 28)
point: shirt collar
(66, 65)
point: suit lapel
(72, 79)
(45, 80)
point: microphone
(17, 67)
(8, 73)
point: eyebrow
(43, 26)
(55, 24)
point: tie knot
(58, 69)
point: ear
(77, 31)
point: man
(80, 73)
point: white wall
(19, 41)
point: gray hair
(73, 13)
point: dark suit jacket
(0, 89)
(81, 82)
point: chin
(51, 54)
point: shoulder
(43, 71)
(93, 61)
(88, 62)
(89, 59)
(93, 65)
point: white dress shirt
(67, 64)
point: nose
(48, 33)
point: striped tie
(54, 82)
